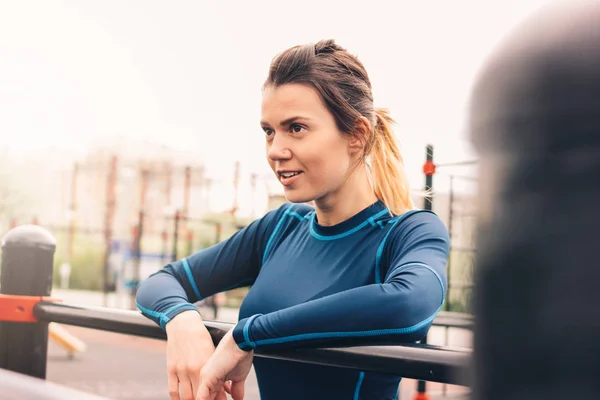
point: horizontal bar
(424, 362)
(457, 163)
(24, 387)
(454, 320)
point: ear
(360, 136)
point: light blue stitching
(416, 264)
(295, 214)
(361, 376)
(382, 244)
(159, 316)
(247, 331)
(343, 234)
(151, 313)
(274, 233)
(188, 272)
(380, 251)
(175, 307)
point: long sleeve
(235, 262)
(398, 309)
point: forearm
(393, 312)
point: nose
(278, 150)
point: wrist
(187, 319)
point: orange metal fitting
(14, 308)
(429, 168)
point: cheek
(330, 162)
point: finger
(185, 386)
(203, 392)
(227, 386)
(194, 381)
(237, 390)
(221, 395)
(173, 386)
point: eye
(268, 131)
(296, 128)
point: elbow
(418, 310)
(143, 293)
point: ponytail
(388, 178)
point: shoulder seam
(287, 212)
(394, 221)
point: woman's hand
(189, 346)
(228, 363)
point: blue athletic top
(373, 279)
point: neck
(353, 196)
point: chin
(296, 196)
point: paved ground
(124, 367)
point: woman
(361, 267)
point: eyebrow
(287, 121)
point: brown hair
(343, 85)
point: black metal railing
(425, 362)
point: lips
(288, 177)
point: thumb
(237, 390)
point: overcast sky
(188, 73)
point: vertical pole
(27, 263)
(186, 198)
(236, 184)
(167, 198)
(429, 170)
(190, 242)
(218, 229)
(174, 254)
(137, 257)
(450, 219)
(536, 299)
(72, 211)
(168, 184)
(165, 239)
(108, 224)
(138, 241)
(253, 186)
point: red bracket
(15, 308)
(429, 168)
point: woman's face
(308, 153)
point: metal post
(253, 178)
(218, 230)
(536, 299)
(236, 184)
(164, 238)
(186, 199)
(108, 225)
(428, 170)
(174, 254)
(190, 242)
(450, 218)
(135, 282)
(71, 214)
(27, 263)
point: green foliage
(86, 263)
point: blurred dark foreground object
(535, 121)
